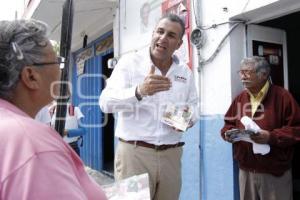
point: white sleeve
(119, 93)
(43, 115)
(78, 113)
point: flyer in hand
(251, 128)
(135, 187)
(178, 117)
(236, 135)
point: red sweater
(278, 113)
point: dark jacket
(278, 113)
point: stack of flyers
(178, 117)
(135, 187)
(236, 135)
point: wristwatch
(138, 94)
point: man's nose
(243, 75)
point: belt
(153, 146)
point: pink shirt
(36, 164)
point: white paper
(249, 124)
(134, 187)
(177, 116)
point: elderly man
(140, 87)
(275, 111)
(35, 163)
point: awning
(91, 17)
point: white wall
(239, 6)
(218, 80)
(131, 36)
(216, 77)
(11, 9)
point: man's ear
(265, 75)
(30, 78)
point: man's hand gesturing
(154, 83)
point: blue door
(97, 150)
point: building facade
(230, 30)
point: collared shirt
(72, 121)
(256, 100)
(44, 115)
(35, 163)
(141, 120)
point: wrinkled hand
(176, 129)
(230, 135)
(189, 126)
(154, 83)
(191, 123)
(262, 137)
(228, 139)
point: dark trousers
(259, 186)
(75, 147)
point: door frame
(269, 35)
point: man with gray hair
(35, 162)
(275, 111)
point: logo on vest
(180, 79)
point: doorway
(290, 25)
(108, 129)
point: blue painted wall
(190, 164)
(215, 158)
(218, 172)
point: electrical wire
(244, 8)
(216, 25)
(195, 14)
(125, 15)
(218, 49)
(55, 27)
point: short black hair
(175, 18)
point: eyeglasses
(246, 72)
(60, 61)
